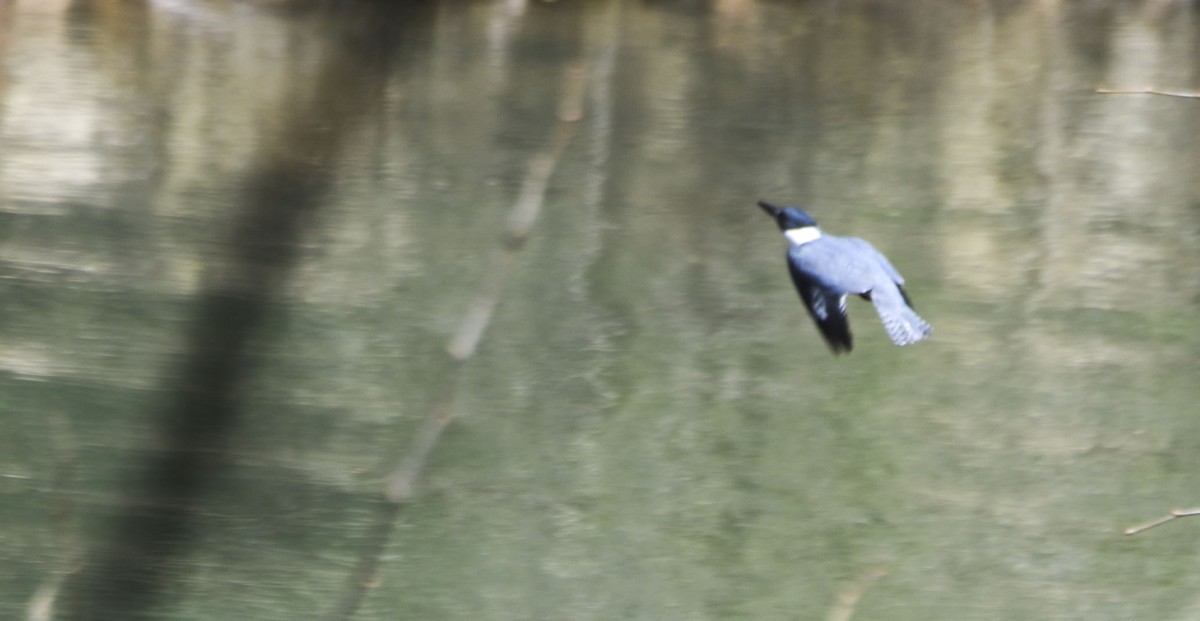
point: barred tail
(902, 323)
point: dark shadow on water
(133, 565)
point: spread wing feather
(827, 308)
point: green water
(650, 426)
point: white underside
(803, 235)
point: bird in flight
(826, 269)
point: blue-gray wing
(866, 249)
(827, 308)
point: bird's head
(788, 218)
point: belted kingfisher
(826, 269)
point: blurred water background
(298, 203)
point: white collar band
(802, 235)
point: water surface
(299, 205)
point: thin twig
(520, 220)
(1146, 91)
(400, 486)
(402, 482)
(1174, 513)
(479, 315)
(65, 451)
(853, 592)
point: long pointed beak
(769, 208)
